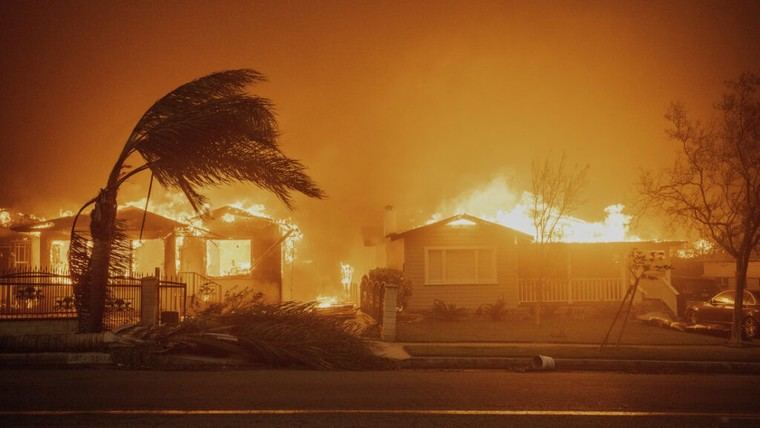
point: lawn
(551, 330)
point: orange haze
(403, 103)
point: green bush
(493, 311)
(447, 312)
(393, 276)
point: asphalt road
(392, 398)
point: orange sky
(387, 102)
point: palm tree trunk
(102, 228)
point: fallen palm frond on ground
(664, 321)
(244, 328)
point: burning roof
(229, 221)
(155, 225)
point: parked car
(720, 310)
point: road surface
(118, 398)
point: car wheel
(749, 328)
(692, 318)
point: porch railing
(572, 290)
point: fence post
(388, 332)
(149, 300)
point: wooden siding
(466, 295)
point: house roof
(464, 218)
(155, 225)
(231, 222)
(8, 234)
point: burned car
(720, 310)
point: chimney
(389, 221)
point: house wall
(465, 295)
(266, 259)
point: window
(727, 298)
(460, 265)
(15, 255)
(749, 299)
(59, 255)
(724, 298)
(228, 257)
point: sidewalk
(516, 356)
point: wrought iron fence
(32, 293)
(201, 289)
(48, 294)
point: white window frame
(477, 281)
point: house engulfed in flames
(231, 247)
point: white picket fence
(572, 290)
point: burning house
(468, 261)
(230, 248)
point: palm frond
(210, 132)
(121, 251)
(285, 335)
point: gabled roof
(461, 218)
(227, 210)
(230, 223)
(155, 225)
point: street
(390, 398)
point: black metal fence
(43, 294)
(32, 293)
(372, 294)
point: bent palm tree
(208, 131)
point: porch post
(388, 332)
(569, 277)
(149, 300)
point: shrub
(393, 276)
(493, 311)
(447, 312)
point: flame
(497, 203)
(258, 210)
(699, 247)
(346, 274)
(175, 206)
(326, 301)
(290, 243)
(5, 218)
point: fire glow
(497, 203)
(175, 207)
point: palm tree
(206, 132)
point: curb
(574, 364)
(55, 359)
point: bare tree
(556, 189)
(714, 183)
(206, 132)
